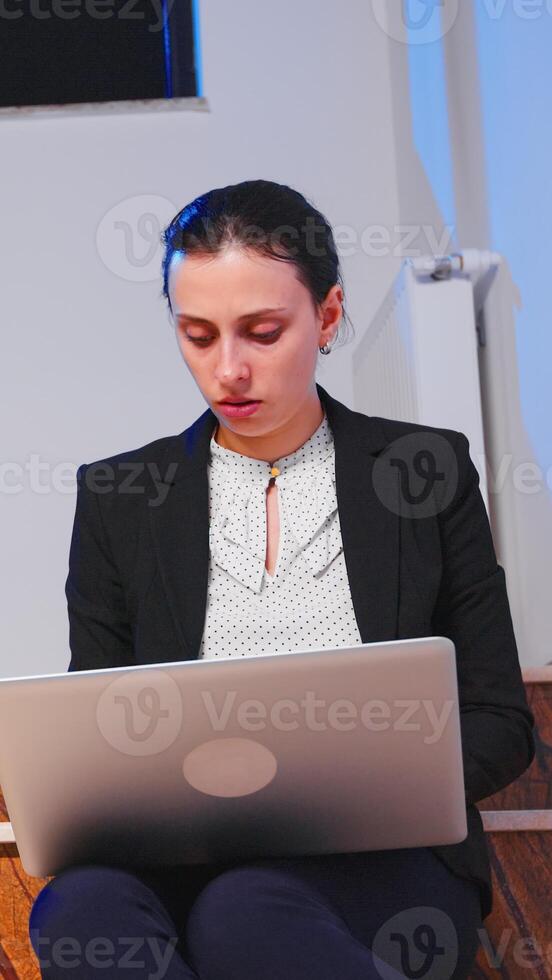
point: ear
(332, 313)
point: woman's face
(232, 349)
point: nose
(231, 364)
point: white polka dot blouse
(307, 602)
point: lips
(239, 411)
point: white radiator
(441, 350)
(418, 360)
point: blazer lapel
(368, 518)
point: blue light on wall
(197, 48)
(167, 53)
(515, 69)
(172, 36)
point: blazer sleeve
(100, 634)
(472, 609)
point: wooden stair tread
(513, 821)
(7, 835)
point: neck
(280, 442)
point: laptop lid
(308, 751)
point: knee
(250, 918)
(74, 894)
(236, 902)
(241, 888)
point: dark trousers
(381, 914)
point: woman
(295, 538)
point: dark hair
(269, 218)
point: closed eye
(263, 337)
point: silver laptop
(309, 751)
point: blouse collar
(239, 468)
(308, 498)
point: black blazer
(419, 556)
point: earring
(326, 349)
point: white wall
(298, 94)
(313, 95)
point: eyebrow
(241, 319)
